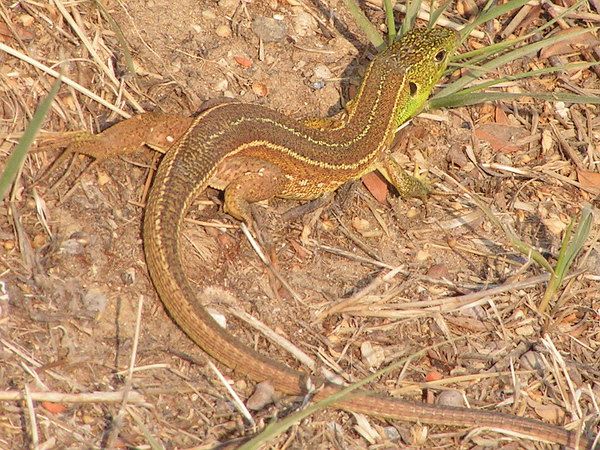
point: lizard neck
(375, 112)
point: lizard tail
(183, 174)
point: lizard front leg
(407, 185)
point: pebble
(228, 5)
(268, 29)
(304, 24)
(391, 433)
(322, 72)
(532, 360)
(221, 85)
(525, 330)
(260, 89)
(95, 301)
(223, 31)
(262, 396)
(438, 271)
(373, 355)
(450, 398)
(208, 14)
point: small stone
(532, 360)
(412, 213)
(525, 330)
(422, 255)
(438, 271)
(223, 31)
(72, 247)
(26, 20)
(128, 277)
(304, 24)
(373, 355)
(260, 89)
(221, 85)
(360, 224)
(322, 72)
(39, 240)
(209, 14)
(268, 29)
(103, 178)
(391, 433)
(261, 397)
(95, 301)
(450, 398)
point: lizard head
(421, 55)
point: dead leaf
(243, 61)
(590, 181)
(502, 138)
(54, 408)
(501, 117)
(433, 375)
(549, 413)
(376, 185)
(6, 34)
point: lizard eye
(439, 56)
(412, 88)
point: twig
(61, 397)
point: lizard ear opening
(412, 88)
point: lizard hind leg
(252, 181)
(155, 129)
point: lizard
(254, 153)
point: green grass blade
(17, 157)
(412, 9)
(530, 74)
(435, 15)
(505, 59)
(483, 52)
(459, 99)
(365, 25)
(389, 20)
(491, 13)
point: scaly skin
(256, 153)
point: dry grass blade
(66, 80)
(90, 48)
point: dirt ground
(402, 275)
